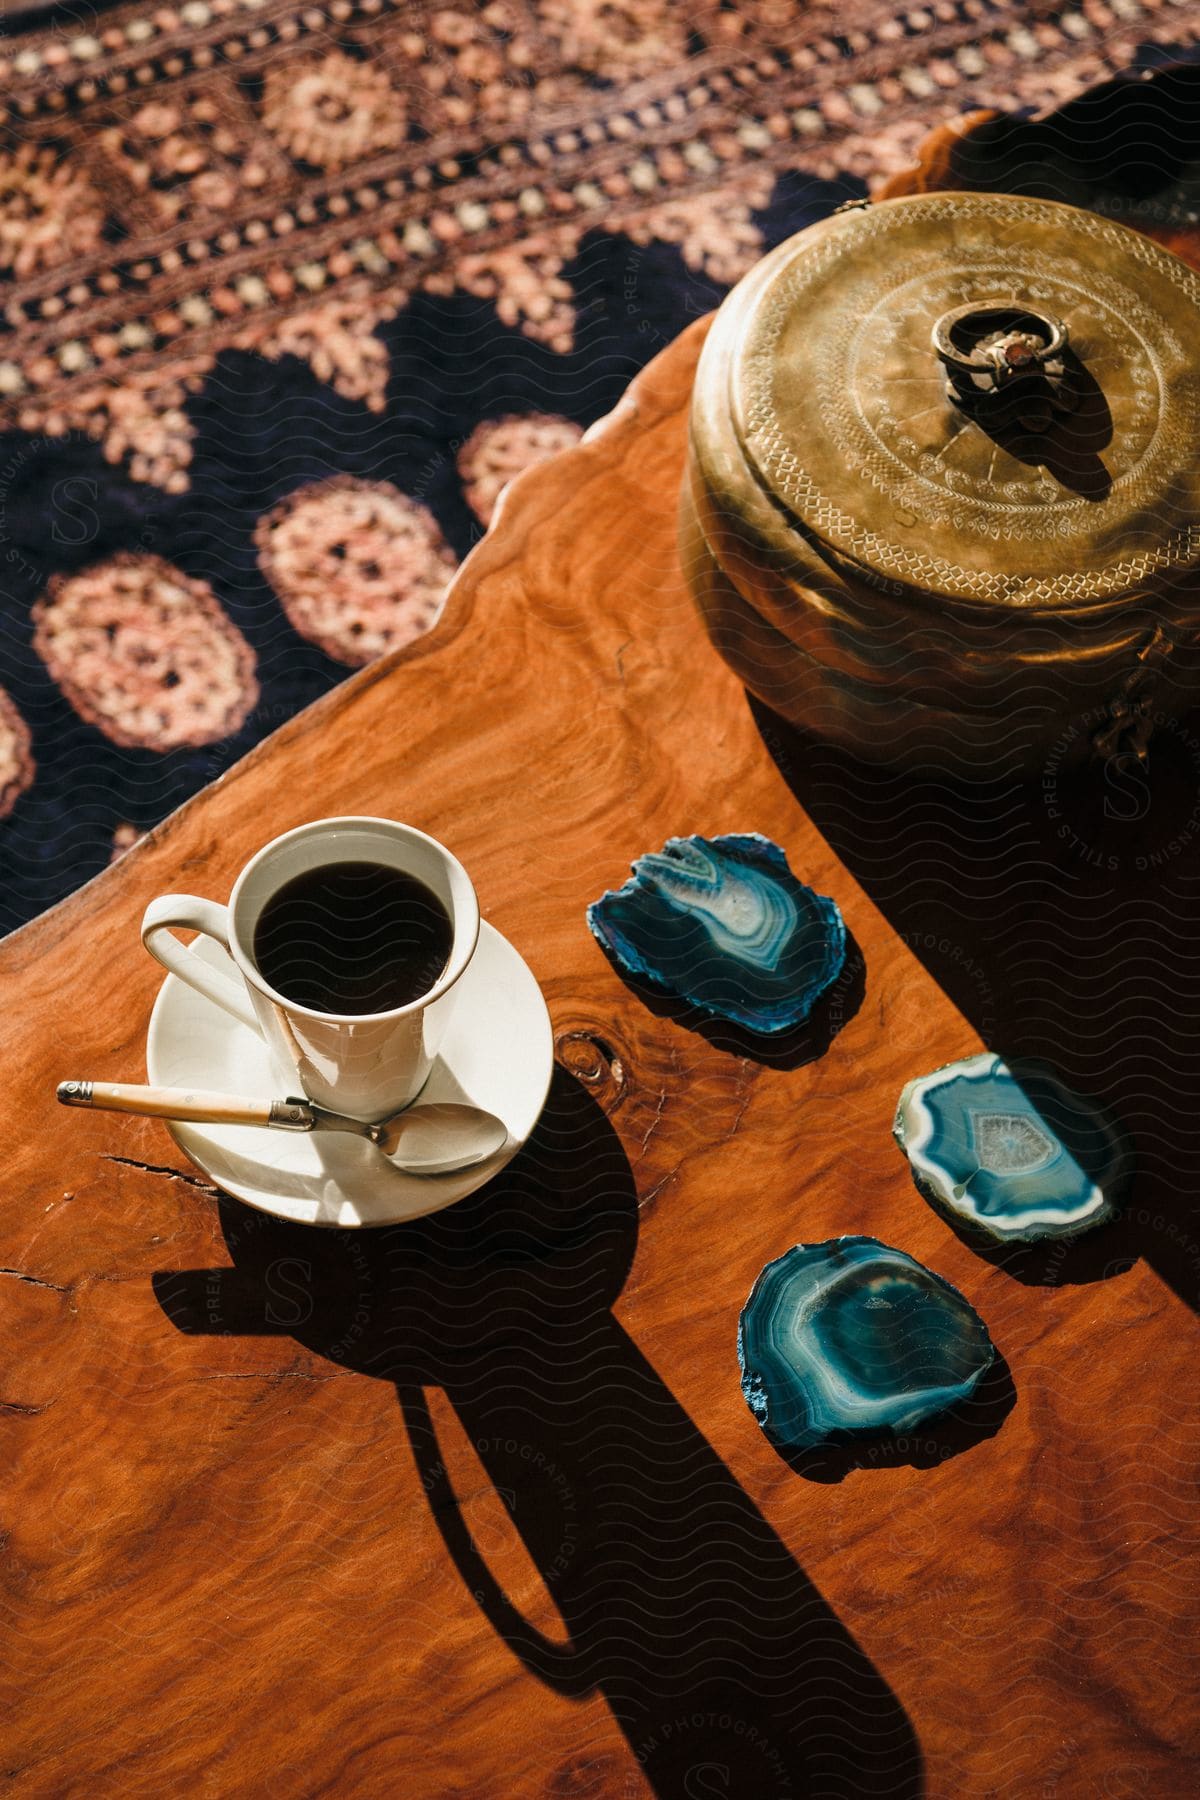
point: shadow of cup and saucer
(680, 1603)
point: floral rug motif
(291, 291)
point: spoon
(434, 1139)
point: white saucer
(498, 1053)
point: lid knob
(1005, 357)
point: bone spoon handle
(185, 1103)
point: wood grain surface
(474, 1507)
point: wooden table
(474, 1507)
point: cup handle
(173, 912)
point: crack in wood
(131, 1162)
(653, 1125)
(745, 1096)
(275, 1375)
(649, 1198)
(35, 1281)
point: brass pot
(943, 487)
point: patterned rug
(290, 291)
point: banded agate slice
(723, 924)
(1012, 1156)
(851, 1339)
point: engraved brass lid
(987, 398)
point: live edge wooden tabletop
(474, 1506)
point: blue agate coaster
(723, 924)
(1014, 1157)
(851, 1339)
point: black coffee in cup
(353, 937)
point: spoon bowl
(441, 1137)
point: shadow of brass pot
(943, 489)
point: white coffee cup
(367, 1064)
